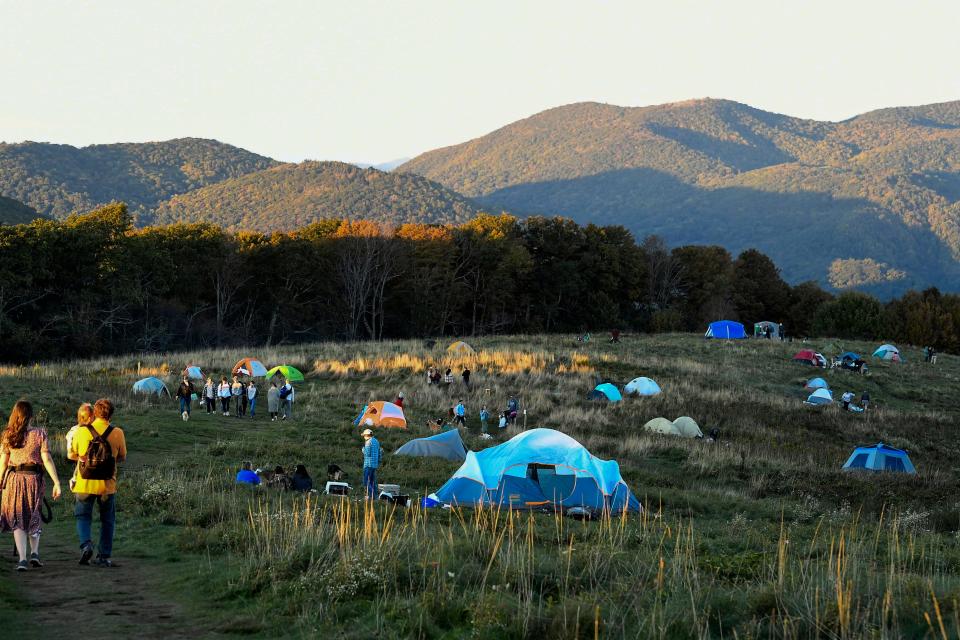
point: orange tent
(382, 414)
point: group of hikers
(241, 393)
(457, 417)
(96, 445)
(447, 379)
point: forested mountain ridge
(290, 196)
(57, 179)
(873, 201)
(15, 212)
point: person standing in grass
(273, 400)
(286, 399)
(371, 461)
(460, 414)
(865, 400)
(466, 376)
(484, 418)
(399, 400)
(224, 393)
(503, 421)
(98, 450)
(185, 395)
(24, 455)
(210, 395)
(252, 397)
(236, 391)
(243, 398)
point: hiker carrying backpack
(98, 463)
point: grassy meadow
(757, 535)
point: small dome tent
(151, 385)
(888, 352)
(760, 329)
(726, 329)
(250, 367)
(460, 348)
(381, 414)
(687, 427)
(880, 457)
(605, 391)
(446, 445)
(662, 425)
(289, 373)
(538, 468)
(642, 387)
(816, 383)
(810, 357)
(820, 396)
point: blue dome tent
(642, 387)
(820, 396)
(447, 445)
(726, 329)
(151, 385)
(880, 457)
(538, 468)
(850, 356)
(816, 383)
(605, 391)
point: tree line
(94, 284)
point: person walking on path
(460, 414)
(286, 399)
(84, 418)
(865, 400)
(484, 419)
(236, 392)
(243, 399)
(252, 397)
(273, 401)
(371, 461)
(98, 449)
(185, 395)
(224, 392)
(210, 395)
(24, 455)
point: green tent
(290, 373)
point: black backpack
(98, 463)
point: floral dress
(22, 497)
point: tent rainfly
(446, 445)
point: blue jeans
(185, 405)
(253, 405)
(83, 511)
(370, 482)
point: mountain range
(872, 202)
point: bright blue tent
(443, 445)
(642, 387)
(850, 356)
(538, 468)
(817, 383)
(151, 385)
(880, 458)
(820, 396)
(726, 329)
(606, 391)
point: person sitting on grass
(301, 480)
(280, 479)
(246, 475)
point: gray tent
(759, 329)
(443, 445)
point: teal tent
(880, 457)
(151, 385)
(606, 391)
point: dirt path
(65, 599)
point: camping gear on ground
(820, 396)
(381, 414)
(292, 374)
(726, 329)
(760, 329)
(880, 457)
(642, 387)
(807, 356)
(605, 392)
(888, 352)
(447, 445)
(193, 372)
(460, 348)
(151, 385)
(687, 427)
(816, 383)
(540, 468)
(249, 367)
(336, 488)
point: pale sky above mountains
(373, 81)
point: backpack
(285, 392)
(98, 463)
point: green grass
(759, 535)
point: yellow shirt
(78, 448)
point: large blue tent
(725, 329)
(880, 457)
(538, 468)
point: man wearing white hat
(371, 460)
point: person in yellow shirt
(112, 448)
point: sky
(374, 81)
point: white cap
(367, 432)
